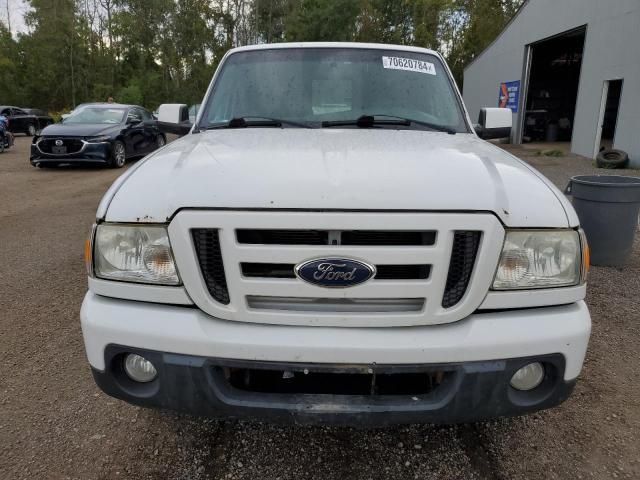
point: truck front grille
(207, 245)
(431, 268)
(463, 255)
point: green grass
(550, 153)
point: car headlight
(134, 253)
(99, 139)
(540, 259)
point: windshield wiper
(256, 121)
(369, 121)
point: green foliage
(130, 94)
(9, 61)
(154, 51)
(321, 20)
(481, 21)
(550, 153)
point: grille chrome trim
(342, 305)
(430, 289)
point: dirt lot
(55, 423)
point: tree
(473, 25)
(154, 51)
(269, 19)
(321, 20)
(9, 71)
(50, 53)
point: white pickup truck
(332, 242)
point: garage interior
(554, 75)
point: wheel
(160, 141)
(612, 158)
(2, 146)
(118, 155)
(31, 130)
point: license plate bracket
(59, 150)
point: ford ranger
(333, 242)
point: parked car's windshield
(96, 115)
(315, 85)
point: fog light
(139, 368)
(528, 377)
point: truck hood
(343, 169)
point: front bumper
(90, 153)
(481, 353)
(471, 391)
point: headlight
(133, 253)
(102, 138)
(539, 259)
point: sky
(17, 9)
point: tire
(2, 146)
(31, 130)
(118, 155)
(160, 141)
(612, 158)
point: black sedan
(25, 120)
(107, 134)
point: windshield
(315, 85)
(96, 115)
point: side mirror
(494, 123)
(174, 118)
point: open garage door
(552, 87)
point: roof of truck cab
(355, 45)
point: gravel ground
(55, 423)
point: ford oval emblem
(335, 272)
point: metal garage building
(570, 72)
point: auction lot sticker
(400, 63)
